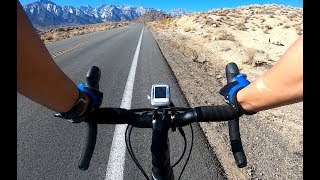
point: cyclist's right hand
(230, 90)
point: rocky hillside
(198, 46)
(152, 16)
(252, 36)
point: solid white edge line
(116, 160)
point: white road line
(118, 148)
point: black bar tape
(107, 116)
(89, 147)
(93, 78)
(234, 129)
(215, 113)
(120, 116)
(234, 132)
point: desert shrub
(298, 28)
(187, 29)
(246, 19)
(223, 12)
(225, 35)
(209, 22)
(250, 54)
(241, 26)
(291, 15)
(257, 58)
(185, 49)
(48, 38)
(225, 49)
(268, 27)
(286, 26)
(189, 52)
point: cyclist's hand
(230, 90)
(94, 94)
(95, 100)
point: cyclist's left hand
(95, 100)
(83, 107)
(94, 94)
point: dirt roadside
(272, 139)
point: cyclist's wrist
(243, 101)
(85, 108)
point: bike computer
(160, 95)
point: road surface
(50, 147)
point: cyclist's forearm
(38, 77)
(280, 85)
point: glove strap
(241, 82)
(78, 107)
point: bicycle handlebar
(179, 119)
(233, 124)
(93, 78)
(143, 118)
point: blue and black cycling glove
(230, 90)
(95, 100)
(94, 94)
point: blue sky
(167, 5)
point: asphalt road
(50, 147)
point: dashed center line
(73, 47)
(69, 49)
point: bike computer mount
(160, 95)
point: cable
(133, 155)
(189, 152)
(185, 146)
(129, 148)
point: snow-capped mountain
(46, 14)
(178, 12)
(109, 12)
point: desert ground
(198, 46)
(254, 37)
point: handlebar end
(83, 168)
(241, 159)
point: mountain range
(45, 14)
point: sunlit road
(50, 147)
